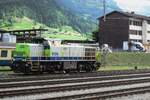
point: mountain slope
(47, 12)
(79, 15)
(91, 9)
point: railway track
(22, 77)
(145, 76)
(67, 87)
(103, 95)
(85, 88)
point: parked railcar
(6, 50)
(51, 56)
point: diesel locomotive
(50, 55)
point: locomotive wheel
(41, 69)
(51, 70)
(79, 68)
(67, 70)
(27, 69)
(88, 68)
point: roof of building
(25, 30)
(79, 41)
(28, 30)
(129, 14)
(2, 31)
(7, 45)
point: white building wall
(148, 37)
(145, 28)
(148, 27)
(133, 27)
(148, 30)
(144, 32)
(8, 38)
(137, 37)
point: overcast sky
(139, 6)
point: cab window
(4, 53)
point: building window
(140, 41)
(4, 53)
(148, 22)
(135, 32)
(140, 23)
(148, 32)
(136, 40)
(130, 22)
(136, 23)
(140, 32)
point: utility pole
(104, 8)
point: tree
(95, 35)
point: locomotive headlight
(24, 60)
(26, 65)
(12, 60)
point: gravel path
(145, 96)
(5, 74)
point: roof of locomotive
(73, 46)
(29, 44)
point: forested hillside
(47, 12)
(89, 9)
(77, 16)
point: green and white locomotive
(49, 55)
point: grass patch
(4, 68)
(115, 68)
(24, 23)
(63, 32)
(127, 61)
(66, 37)
(107, 68)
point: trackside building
(121, 27)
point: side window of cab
(4, 53)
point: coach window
(4, 53)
